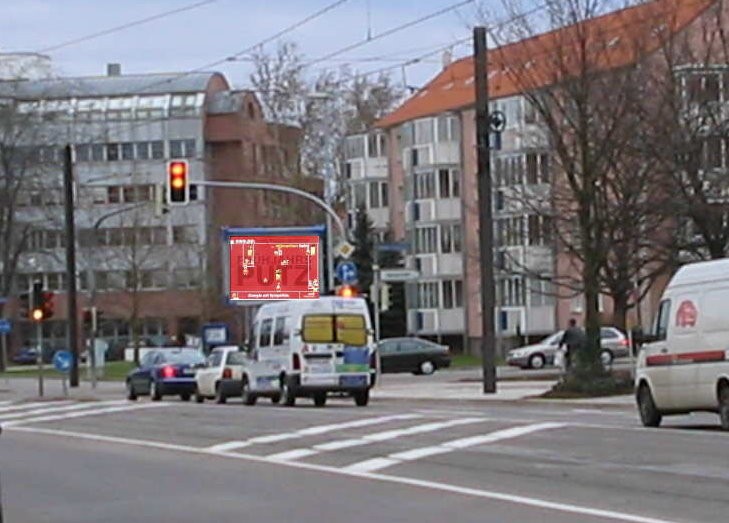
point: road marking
(372, 438)
(76, 406)
(424, 484)
(84, 413)
(310, 431)
(23, 406)
(371, 465)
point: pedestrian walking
(573, 340)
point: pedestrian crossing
(372, 444)
(14, 414)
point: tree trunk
(620, 311)
(588, 360)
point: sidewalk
(21, 389)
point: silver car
(613, 342)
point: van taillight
(297, 362)
(227, 373)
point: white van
(684, 364)
(319, 347)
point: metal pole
(376, 299)
(485, 216)
(330, 255)
(92, 347)
(71, 263)
(5, 352)
(39, 358)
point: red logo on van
(686, 315)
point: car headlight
(517, 353)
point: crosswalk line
(55, 409)
(379, 463)
(85, 413)
(23, 406)
(310, 431)
(372, 438)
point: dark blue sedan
(165, 372)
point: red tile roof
(614, 39)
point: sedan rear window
(236, 358)
(188, 357)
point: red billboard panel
(274, 267)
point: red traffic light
(178, 186)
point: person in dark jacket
(573, 340)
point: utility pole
(485, 215)
(71, 262)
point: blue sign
(215, 333)
(6, 326)
(347, 272)
(62, 360)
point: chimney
(447, 58)
(113, 69)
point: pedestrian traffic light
(178, 184)
(346, 291)
(24, 305)
(47, 305)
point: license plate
(353, 381)
(320, 368)
(188, 372)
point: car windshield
(186, 357)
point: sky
(197, 37)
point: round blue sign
(62, 360)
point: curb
(531, 400)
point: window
(374, 195)
(281, 332)
(425, 240)
(427, 295)
(532, 171)
(452, 294)
(444, 183)
(424, 185)
(541, 293)
(544, 168)
(318, 328)
(97, 152)
(158, 149)
(113, 194)
(450, 238)
(384, 200)
(142, 149)
(511, 292)
(215, 359)
(112, 152)
(661, 325)
(83, 152)
(354, 147)
(350, 329)
(712, 153)
(127, 151)
(129, 193)
(360, 196)
(182, 148)
(264, 339)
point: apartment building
(157, 270)
(432, 172)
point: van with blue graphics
(683, 365)
(318, 347)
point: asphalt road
(394, 461)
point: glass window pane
(265, 334)
(351, 330)
(158, 150)
(318, 328)
(127, 151)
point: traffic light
(178, 183)
(47, 305)
(346, 291)
(92, 316)
(24, 308)
(36, 313)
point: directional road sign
(5, 326)
(394, 275)
(62, 360)
(347, 272)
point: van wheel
(724, 406)
(288, 396)
(650, 416)
(248, 397)
(537, 361)
(276, 399)
(320, 399)
(361, 399)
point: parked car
(414, 355)
(29, 355)
(614, 344)
(164, 372)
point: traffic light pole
(39, 358)
(71, 263)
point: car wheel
(288, 396)
(606, 358)
(276, 399)
(199, 398)
(248, 397)
(724, 406)
(219, 396)
(427, 368)
(362, 398)
(185, 397)
(650, 416)
(154, 391)
(320, 399)
(537, 361)
(131, 393)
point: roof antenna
(369, 21)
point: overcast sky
(197, 37)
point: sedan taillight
(168, 372)
(297, 362)
(227, 373)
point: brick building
(158, 270)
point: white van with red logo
(683, 365)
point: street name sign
(399, 275)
